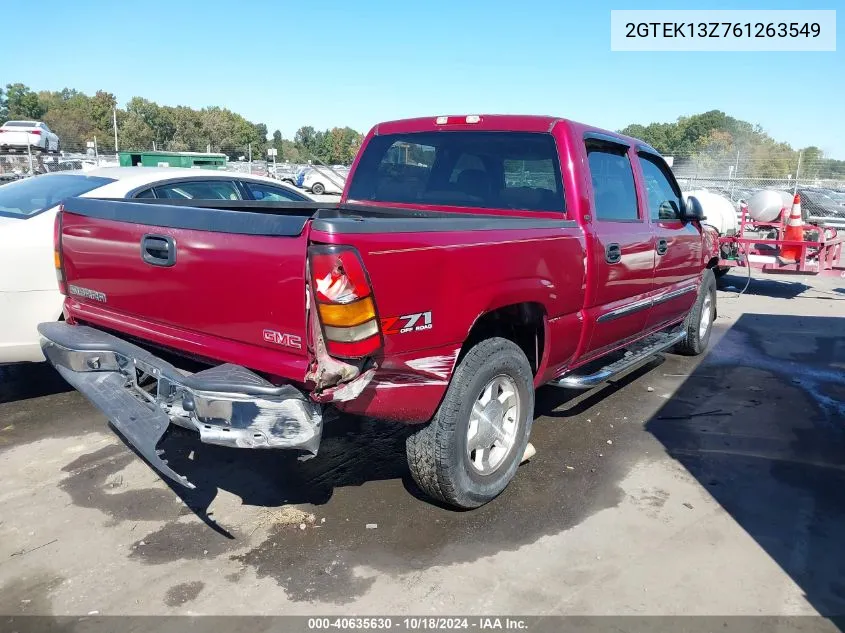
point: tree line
(705, 144)
(144, 125)
(708, 144)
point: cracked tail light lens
(57, 252)
(344, 301)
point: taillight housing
(57, 252)
(344, 300)
(36, 132)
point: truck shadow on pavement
(353, 451)
(761, 425)
(357, 490)
(764, 286)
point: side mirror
(694, 211)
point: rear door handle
(613, 253)
(662, 247)
(158, 250)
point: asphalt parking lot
(692, 486)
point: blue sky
(330, 63)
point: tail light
(344, 301)
(36, 132)
(57, 251)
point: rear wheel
(699, 322)
(472, 448)
(318, 189)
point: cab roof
(499, 123)
(486, 122)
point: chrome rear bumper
(142, 395)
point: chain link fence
(33, 161)
(739, 176)
(821, 188)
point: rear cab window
(475, 169)
(30, 196)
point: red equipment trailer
(758, 244)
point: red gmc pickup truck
(470, 260)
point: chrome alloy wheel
(492, 429)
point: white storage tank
(765, 206)
(718, 210)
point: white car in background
(18, 135)
(29, 292)
(319, 180)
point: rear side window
(269, 193)
(29, 196)
(199, 190)
(490, 170)
(664, 198)
(614, 193)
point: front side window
(489, 170)
(614, 193)
(199, 190)
(664, 198)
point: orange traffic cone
(795, 232)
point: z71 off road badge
(417, 322)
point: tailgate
(226, 285)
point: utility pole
(29, 153)
(797, 173)
(249, 149)
(272, 151)
(96, 154)
(114, 120)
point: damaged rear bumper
(142, 395)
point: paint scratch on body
(440, 366)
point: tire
(697, 337)
(438, 454)
(318, 189)
(721, 271)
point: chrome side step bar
(640, 353)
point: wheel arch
(524, 323)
